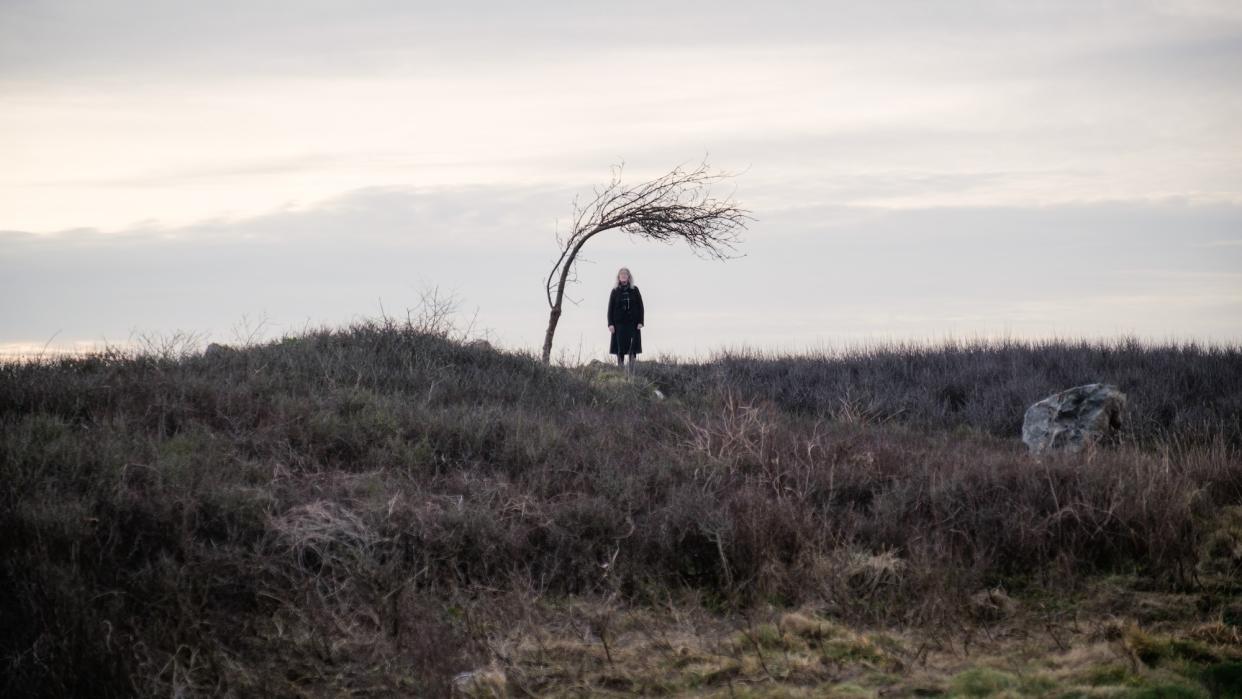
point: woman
(625, 318)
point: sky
(916, 171)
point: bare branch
(678, 205)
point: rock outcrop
(1073, 419)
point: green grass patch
(982, 682)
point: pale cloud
(238, 110)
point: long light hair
(628, 275)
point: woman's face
(623, 277)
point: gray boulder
(1074, 418)
(217, 350)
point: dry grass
(692, 652)
(378, 510)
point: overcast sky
(917, 170)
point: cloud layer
(917, 169)
(812, 276)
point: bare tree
(676, 206)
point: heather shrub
(318, 509)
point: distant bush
(303, 513)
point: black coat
(625, 314)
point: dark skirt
(626, 339)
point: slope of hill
(376, 510)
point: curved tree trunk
(553, 318)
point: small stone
(216, 349)
(992, 605)
(484, 682)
